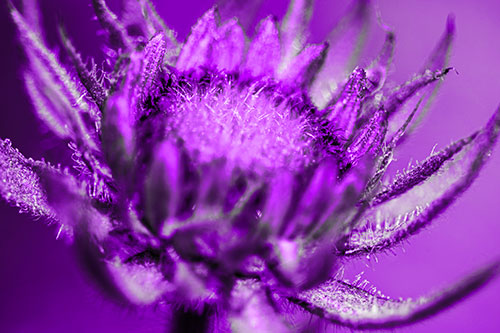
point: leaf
(31, 11)
(67, 196)
(404, 92)
(122, 111)
(343, 113)
(88, 79)
(346, 41)
(386, 156)
(377, 71)
(152, 17)
(390, 222)
(351, 306)
(141, 18)
(304, 67)
(118, 135)
(438, 61)
(252, 310)
(279, 198)
(118, 38)
(294, 30)
(439, 57)
(368, 138)
(421, 172)
(140, 284)
(163, 179)
(20, 182)
(62, 97)
(315, 203)
(134, 19)
(152, 63)
(55, 121)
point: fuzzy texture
(230, 178)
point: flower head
(232, 177)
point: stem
(191, 321)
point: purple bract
(229, 178)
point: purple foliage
(228, 179)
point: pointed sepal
(304, 67)
(369, 138)
(154, 52)
(61, 95)
(195, 51)
(348, 305)
(294, 30)
(344, 112)
(252, 309)
(378, 70)
(20, 182)
(422, 194)
(264, 52)
(228, 47)
(245, 11)
(88, 78)
(346, 41)
(118, 37)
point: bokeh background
(42, 288)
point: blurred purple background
(43, 290)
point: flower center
(251, 125)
